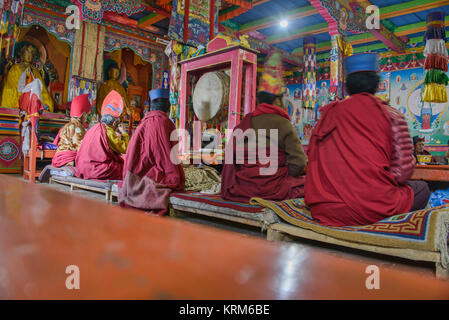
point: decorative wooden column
(336, 90)
(309, 82)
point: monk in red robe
(72, 134)
(150, 175)
(100, 154)
(361, 156)
(269, 167)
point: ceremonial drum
(211, 97)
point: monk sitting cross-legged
(71, 135)
(150, 175)
(361, 156)
(272, 165)
(99, 157)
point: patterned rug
(425, 230)
(216, 200)
(192, 201)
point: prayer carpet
(215, 204)
(425, 230)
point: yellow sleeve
(116, 143)
(10, 95)
(100, 98)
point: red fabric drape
(95, 159)
(150, 175)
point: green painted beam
(148, 17)
(227, 10)
(404, 6)
(363, 47)
(231, 24)
(414, 26)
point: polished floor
(363, 257)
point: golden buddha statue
(19, 76)
(112, 84)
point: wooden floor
(338, 251)
(125, 254)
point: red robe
(241, 182)
(149, 174)
(349, 181)
(33, 108)
(95, 159)
(61, 158)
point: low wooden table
(431, 173)
(126, 254)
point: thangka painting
(428, 120)
(293, 100)
(384, 86)
(305, 119)
(322, 97)
(82, 86)
(198, 23)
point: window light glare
(284, 23)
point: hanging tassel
(436, 46)
(435, 93)
(435, 61)
(436, 76)
(435, 32)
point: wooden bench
(75, 184)
(277, 230)
(286, 232)
(204, 205)
(431, 173)
(124, 254)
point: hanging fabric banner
(11, 17)
(190, 21)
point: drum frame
(238, 59)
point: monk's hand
(121, 129)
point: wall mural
(428, 120)
(304, 120)
(403, 88)
(293, 99)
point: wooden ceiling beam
(150, 20)
(410, 7)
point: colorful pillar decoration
(11, 13)
(193, 22)
(436, 59)
(336, 90)
(309, 82)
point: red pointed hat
(113, 104)
(80, 105)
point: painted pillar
(309, 82)
(337, 68)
